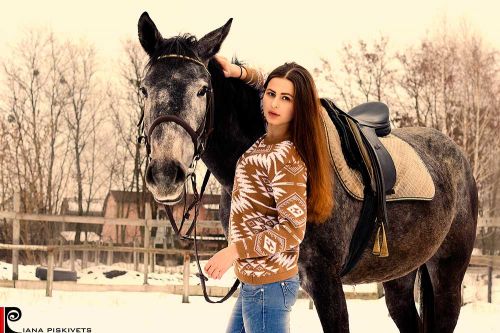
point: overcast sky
(265, 33)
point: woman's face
(278, 101)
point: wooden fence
(17, 217)
(490, 263)
(488, 222)
(52, 249)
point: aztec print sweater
(268, 213)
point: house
(123, 204)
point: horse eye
(143, 92)
(203, 91)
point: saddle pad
(413, 181)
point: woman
(280, 183)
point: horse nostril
(180, 175)
(165, 173)
(149, 174)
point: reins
(199, 138)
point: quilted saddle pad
(413, 181)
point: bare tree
(479, 98)
(33, 101)
(336, 85)
(369, 66)
(126, 113)
(412, 79)
(366, 73)
(452, 84)
(83, 119)
(126, 105)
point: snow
(70, 235)
(96, 205)
(155, 312)
(162, 276)
(94, 274)
(476, 285)
(211, 206)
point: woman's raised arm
(249, 75)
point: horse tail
(426, 300)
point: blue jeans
(264, 307)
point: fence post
(153, 260)
(97, 253)
(109, 261)
(72, 256)
(136, 262)
(16, 231)
(148, 216)
(165, 247)
(152, 256)
(60, 253)
(490, 273)
(85, 255)
(50, 273)
(185, 278)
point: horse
(434, 238)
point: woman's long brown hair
(307, 134)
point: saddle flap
(384, 159)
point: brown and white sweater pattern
(268, 211)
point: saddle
(362, 127)
(371, 164)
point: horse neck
(237, 124)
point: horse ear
(210, 44)
(149, 36)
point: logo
(8, 314)
(12, 314)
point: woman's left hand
(229, 69)
(220, 262)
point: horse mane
(240, 103)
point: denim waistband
(291, 278)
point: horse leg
(401, 304)
(329, 299)
(446, 275)
(446, 271)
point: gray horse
(434, 237)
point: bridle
(199, 138)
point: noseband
(199, 138)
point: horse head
(178, 111)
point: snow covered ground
(161, 276)
(160, 312)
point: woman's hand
(220, 262)
(229, 69)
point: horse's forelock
(184, 45)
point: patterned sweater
(268, 211)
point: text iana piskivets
(57, 330)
